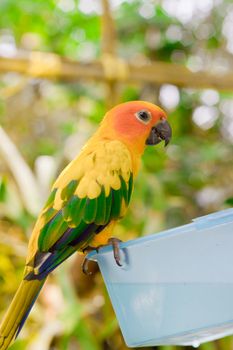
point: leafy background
(48, 121)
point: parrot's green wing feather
(82, 204)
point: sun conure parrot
(86, 200)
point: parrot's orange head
(138, 123)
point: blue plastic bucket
(175, 287)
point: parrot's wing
(91, 192)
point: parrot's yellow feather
(99, 163)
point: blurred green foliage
(192, 177)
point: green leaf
(229, 201)
(3, 189)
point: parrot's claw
(85, 269)
(116, 249)
(116, 253)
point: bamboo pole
(108, 30)
(108, 48)
(153, 72)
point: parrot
(89, 196)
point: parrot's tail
(18, 311)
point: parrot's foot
(114, 242)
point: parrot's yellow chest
(103, 237)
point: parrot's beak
(161, 131)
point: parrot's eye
(144, 116)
